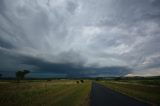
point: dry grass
(43, 93)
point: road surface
(103, 96)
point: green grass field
(144, 90)
(45, 93)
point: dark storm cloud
(12, 62)
(5, 44)
(73, 70)
(80, 38)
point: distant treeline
(88, 78)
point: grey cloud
(79, 35)
(71, 6)
(156, 3)
(5, 44)
(152, 62)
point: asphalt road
(103, 96)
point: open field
(45, 93)
(69, 93)
(144, 90)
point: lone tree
(21, 74)
(77, 82)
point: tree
(21, 74)
(77, 82)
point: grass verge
(150, 94)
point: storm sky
(80, 38)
